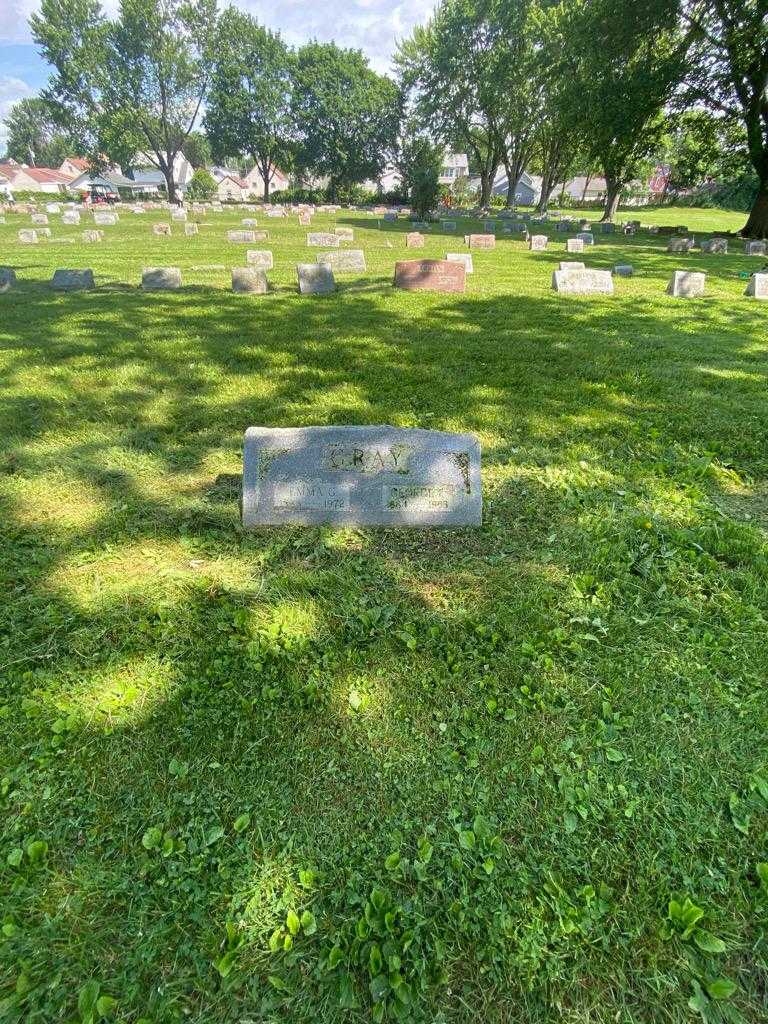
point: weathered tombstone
(161, 229)
(241, 236)
(360, 476)
(448, 225)
(275, 213)
(39, 218)
(28, 236)
(571, 265)
(104, 219)
(538, 243)
(414, 240)
(43, 232)
(574, 245)
(70, 217)
(754, 247)
(623, 270)
(53, 207)
(607, 228)
(178, 215)
(249, 222)
(327, 239)
(430, 276)
(517, 229)
(92, 235)
(490, 226)
(138, 209)
(344, 261)
(585, 225)
(379, 211)
(680, 244)
(259, 258)
(315, 279)
(249, 280)
(758, 286)
(305, 220)
(587, 237)
(461, 257)
(481, 241)
(390, 216)
(345, 234)
(583, 282)
(715, 246)
(7, 279)
(686, 284)
(156, 279)
(191, 229)
(72, 280)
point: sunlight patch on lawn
(57, 503)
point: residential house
(109, 181)
(455, 165)
(255, 182)
(527, 189)
(232, 187)
(73, 166)
(33, 179)
(582, 189)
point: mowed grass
(308, 775)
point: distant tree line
(549, 86)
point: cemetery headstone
(414, 240)
(344, 261)
(161, 229)
(53, 207)
(490, 226)
(623, 270)
(191, 229)
(104, 219)
(39, 218)
(345, 234)
(92, 235)
(249, 280)
(448, 225)
(608, 228)
(155, 279)
(361, 476)
(680, 244)
(7, 279)
(481, 241)
(587, 237)
(259, 258)
(315, 279)
(430, 276)
(249, 222)
(390, 216)
(179, 215)
(687, 284)
(72, 280)
(305, 220)
(241, 236)
(327, 239)
(715, 246)
(583, 282)
(754, 247)
(758, 286)
(574, 245)
(538, 243)
(461, 257)
(28, 236)
(70, 217)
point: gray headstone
(345, 234)
(315, 279)
(191, 229)
(344, 261)
(686, 284)
(574, 245)
(715, 245)
(70, 217)
(92, 235)
(241, 236)
(249, 222)
(104, 219)
(28, 236)
(178, 215)
(53, 207)
(448, 225)
(259, 258)
(326, 239)
(623, 270)
(680, 244)
(587, 237)
(583, 282)
(754, 247)
(250, 280)
(155, 279)
(361, 476)
(39, 218)
(608, 229)
(7, 279)
(161, 229)
(758, 286)
(72, 280)
(390, 216)
(461, 257)
(538, 243)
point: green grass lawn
(306, 775)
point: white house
(255, 181)
(33, 179)
(182, 168)
(232, 187)
(455, 165)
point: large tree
(34, 135)
(248, 110)
(135, 83)
(728, 63)
(625, 61)
(346, 117)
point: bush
(202, 186)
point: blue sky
(373, 26)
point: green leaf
(720, 988)
(105, 1006)
(308, 923)
(335, 957)
(292, 922)
(214, 835)
(375, 962)
(379, 987)
(152, 838)
(86, 1000)
(180, 769)
(708, 942)
(570, 821)
(613, 755)
(347, 997)
(36, 851)
(762, 874)
(274, 940)
(278, 983)
(698, 1001)
(15, 857)
(392, 862)
(226, 963)
(242, 823)
(378, 899)
(467, 839)
(537, 754)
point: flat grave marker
(430, 276)
(574, 245)
(414, 240)
(325, 239)
(344, 261)
(360, 476)
(480, 241)
(538, 243)
(461, 257)
(583, 282)
(241, 236)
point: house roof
(45, 175)
(77, 161)
(595, 184)
(238, 181)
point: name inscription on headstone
(366, 476)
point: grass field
(305, 775)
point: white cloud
(11, 90)
(373, 26)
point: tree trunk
(265, 178)
(486, 184)
(612, 197)
(586, 186)
(757, 224)
(170, 184)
